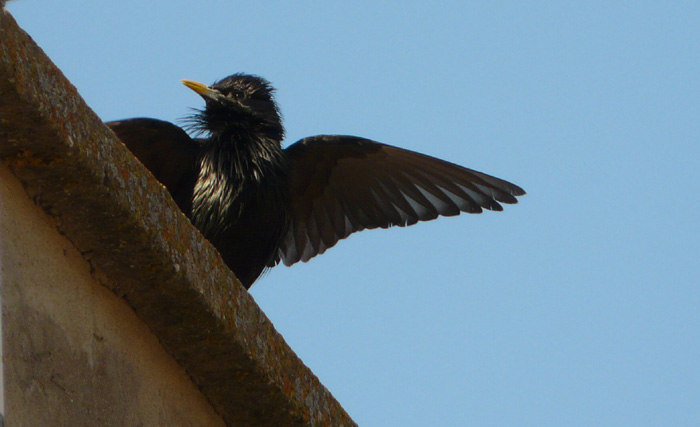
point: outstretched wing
(343, 184)
(167, 151)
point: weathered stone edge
(128, 227)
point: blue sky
(578, 306)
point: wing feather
(343, 184)
(167, 151)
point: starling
(261, 204)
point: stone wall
(74, 352)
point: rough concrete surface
(141, 247)
(75, 354)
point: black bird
(260, 204)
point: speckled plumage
(260, 204)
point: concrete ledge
(141, 247)
(75, 353)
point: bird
(260, 204)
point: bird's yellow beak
(200, 88)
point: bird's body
(241, 202)
(260, 204)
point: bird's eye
(235, 94)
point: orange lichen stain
(124, 173)
(26, 158)
(287, 387)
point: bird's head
(235, 104)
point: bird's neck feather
(246, 156)
(231, 167)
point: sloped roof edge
(127, 226)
